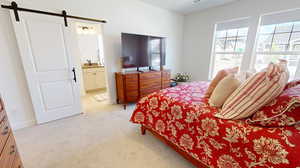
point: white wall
(130, 16)
(199, 29)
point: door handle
(74, 74)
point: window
(229, 48)
(155, 51)
(273, 36)
(279, 41)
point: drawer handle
(5, 130)
(13, 150)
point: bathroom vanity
(93, 77)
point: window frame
(251, 54)
(214, 53)
(287, 51)
(274, 33)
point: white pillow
(223, 90)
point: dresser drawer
(17, 161)
(151, 82)
(166, 77)
(150, 75)
(166, 81)
(132, 96)
(131, 87)
(131, 77)
(4, 133)
(1, 105)
(152, 86)
(8, 154)
(166, 74)
(131, 82)
(146, 92)
(2, 113)
(165, 85)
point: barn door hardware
(15, 8)
(64, 13)
(74, 74)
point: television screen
(142, 51)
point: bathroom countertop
(91, 66)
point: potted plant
(181, 78)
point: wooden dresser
(132, 86)
(9, 156)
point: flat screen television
(143, 51)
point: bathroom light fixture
(84, 29)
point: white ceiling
(187, 6)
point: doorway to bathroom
(94, 94)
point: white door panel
(53, 56)
(50, 99)
(46, 48)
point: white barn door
(46, 47)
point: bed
(182, 118)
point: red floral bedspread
(182, 116)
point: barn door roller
(15, 8)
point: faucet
(89, 61)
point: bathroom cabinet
(94, 78)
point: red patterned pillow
(282, 111)
(292, 84)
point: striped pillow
(254, 93)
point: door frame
(78, 56)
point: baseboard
(23, 124)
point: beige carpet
(102, 138)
